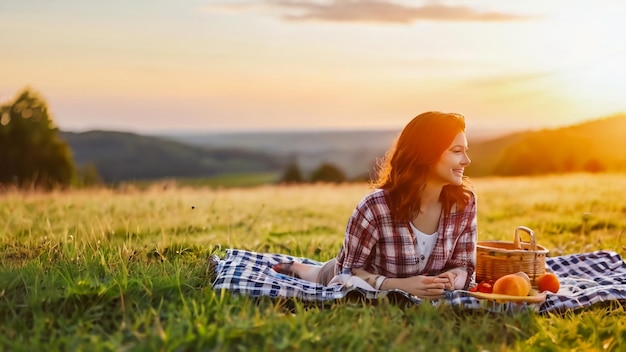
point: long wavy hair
(406, 165)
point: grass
(233, 180)
(125, 269)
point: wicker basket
(495, 259)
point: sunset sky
(191, 65)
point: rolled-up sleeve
(464, 254)
(360, 239)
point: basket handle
(517, 241)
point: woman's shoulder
(468, 204)
(471, 196)
(378, 195)
(375, 201)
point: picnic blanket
(586, 279)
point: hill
(591, 146)
(120, 156)
(354, 152)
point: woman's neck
(427, 220)
(430, 196)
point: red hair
(415, 152)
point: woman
(417, 231)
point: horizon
(480, 130)
(275, 130)
(232, 67)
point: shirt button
(422, 257)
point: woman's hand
(428, 287)
(368, 277)
(456, 278)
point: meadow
(125, 269)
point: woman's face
(451, 165)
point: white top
(424, 246)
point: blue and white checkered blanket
(586, 279)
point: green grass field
(125, 270)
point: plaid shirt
(376, 244)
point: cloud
(374, 11)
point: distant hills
(122, 156)
(593, 146)
(354, 152)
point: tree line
(33, 153)
(326, 172)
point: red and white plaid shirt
(373, 242)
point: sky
(251, 65)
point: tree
(88, 175)
(594, 166)
(31, 152)
(328, 172)
(292, 174)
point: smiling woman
(417, 230)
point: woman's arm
(361, 236)
(429, 287)
(462, 265)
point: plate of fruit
(516, 288)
